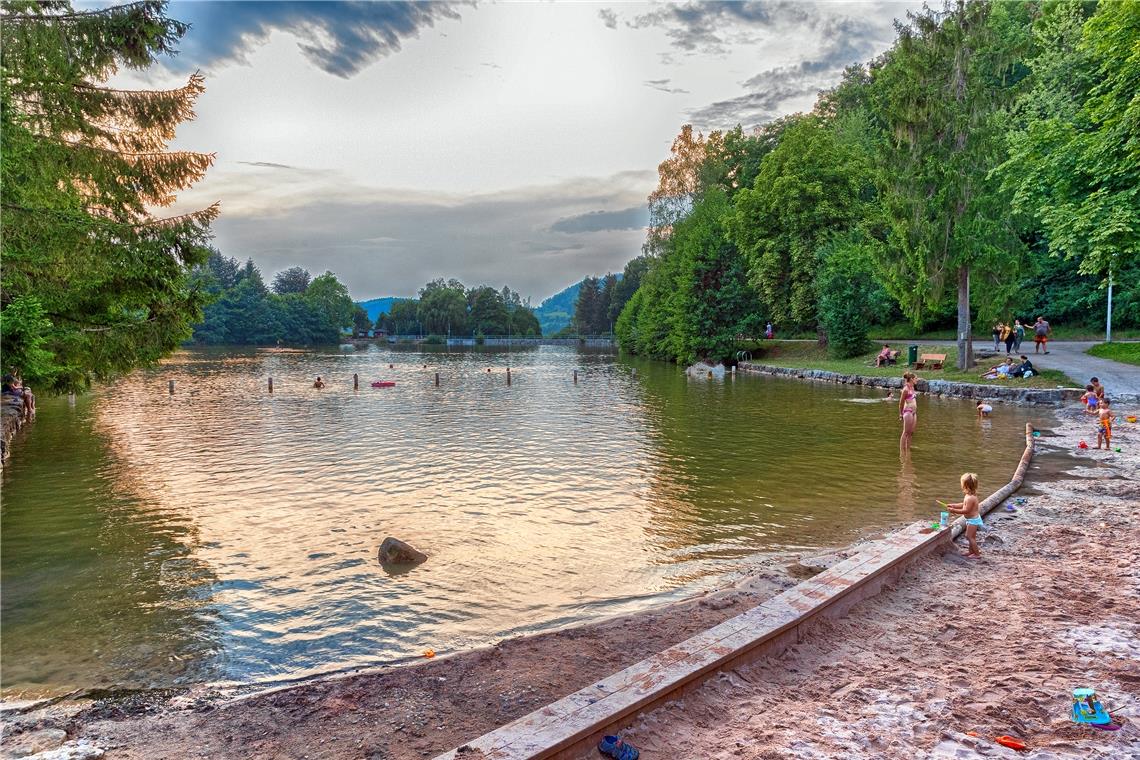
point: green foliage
(1075, 164)
(82, 167)
(849, 296)
(244, 312)
(807, 189)
(1129, 353)
(292, 280)
(443, 307)
(940, 94)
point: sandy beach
(958, 653)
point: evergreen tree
(93, 284)
(941, 92)
(292, 280)
(586, 308)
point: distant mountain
(378, 306)
(556, 312)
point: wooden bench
(930, 361)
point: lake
(224, 533)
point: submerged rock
(393, 551)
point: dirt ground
(991, 647)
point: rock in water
(395, 552)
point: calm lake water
(225, 533)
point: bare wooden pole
(171, 387)
(355, 381)
(436, 379)
(508, 375)
(271, 385)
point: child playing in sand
(984, 409)
(1089, 400)
(970, 509)
(1104, 420)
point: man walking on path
(1041, 332)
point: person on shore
(997, 334)
(318, 383)
(884, 357)
(971, 510)
(1104, 422)
(908, 411)
(999, 371)
(768, 331)
(984, 409)
(1018, 334)
(1025, 369)
(13, 386)
(1007, 338)
(1041, 330)
(1089, 399)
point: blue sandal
(617, 749)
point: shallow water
(226, 533)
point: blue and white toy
(1088, 709)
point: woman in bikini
(908, 411)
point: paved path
(1070, 358)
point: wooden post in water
(508, 375)
(271, 385)
(436, 379)
(355, 381)
(171, 387)
(575, 377)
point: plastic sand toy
(1009, 741)
(1082, 445)
(1088, 709)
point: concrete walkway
(1070, 358)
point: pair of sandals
(617, 749)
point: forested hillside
(985, 167)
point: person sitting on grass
(884, 357)
(971, 510)
(1025, 369)
(998, 371)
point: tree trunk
(965, 339)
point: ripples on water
(226, 533)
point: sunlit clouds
(398, 142)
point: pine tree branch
(196, 80)
(211, 210)
(75, 16)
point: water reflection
(101, 585)
(226, 532)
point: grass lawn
(1129, 353)
(811, 356)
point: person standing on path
(1007, 338)
(996, 334)
(1041, 330)
(1018, 334)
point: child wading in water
(969, 508)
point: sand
(992, 647)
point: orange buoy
(429, 653)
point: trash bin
(912, 355)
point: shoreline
(412, 710)
(935, 387)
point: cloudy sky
(499, 143)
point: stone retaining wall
(1012, 394)
(11, 420)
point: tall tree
(941, 92)
(587, 307)
(292, 280)
(443, 307)
(93, 283)
(1075, 164)
(807, 189)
